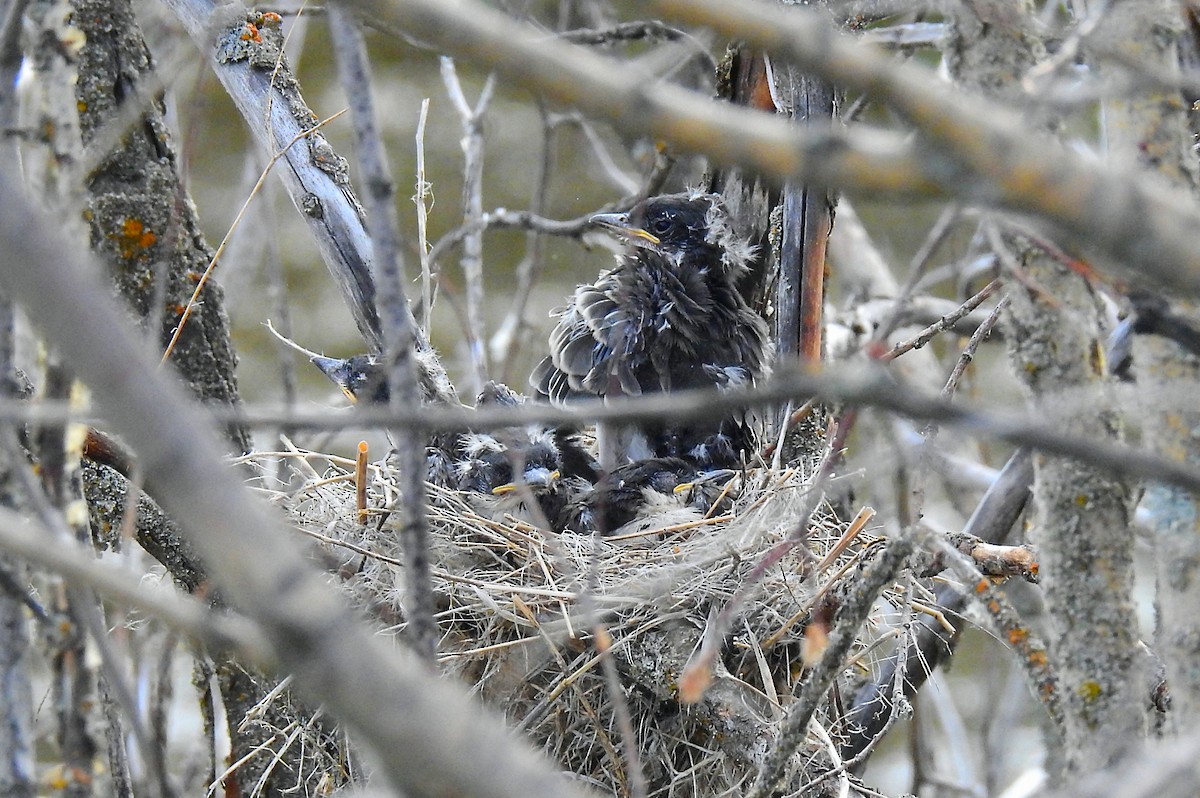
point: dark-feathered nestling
(552, 464)
(646, 489)
(492, 466)
(667, 317)
(361, 377)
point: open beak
(619, 224)
(534, 478)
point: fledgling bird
(709, 492)
(552, 462)
(665, 489)
(667, 317)
(362, 378)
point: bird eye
(662, 225)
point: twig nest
(520, 607)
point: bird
(500, 469)
(552, 462)
(364, 378)
(361, 377)
(1149, 314)
(657, 490)
(709, 491)
(667, 317)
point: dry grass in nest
(518, 608)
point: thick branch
(980, 152)
(388, 700)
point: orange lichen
(62, 776)
(1038, 658)
(250, 33)
(1018, 635)
(134, 239)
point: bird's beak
(534, 478)
(337, 370)
(721, 473)
(619, 224)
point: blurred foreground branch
(977, 150)
(865, 386)
(381, 694)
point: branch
(858, 385)
(472, 243)
(381, 694)
(79, 565)
(1014, 632)
(944, 323)
(998, 561)
(400, 335)
(992, 520)
(857, 604)
(977, 151)
(248, 61)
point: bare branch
(941, 325)
(400, 333)
(882, 570)
(379, 692)
(472, 250)
(21, 538)
(262, 87)
(992, 520)
(980, 152)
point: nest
(519, 610)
